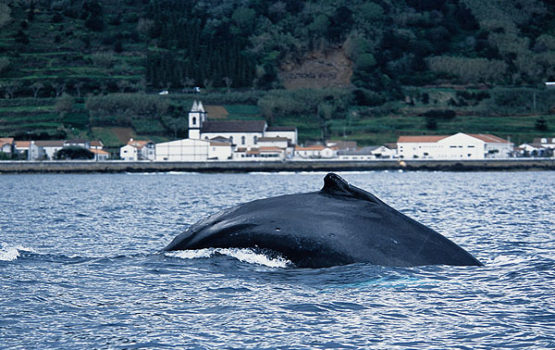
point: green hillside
(92, 68)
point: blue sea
(81, 267)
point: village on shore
(254, 140)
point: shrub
(73, 153)
(431, 123)
(21, 37)
(95, 23)
(521, 100)
(469, 70)
(5, 14)
(103, 59)
(120, 109)
(4, 64)
(363, 97)
(439, 114)
(541, 124)
(57, 18)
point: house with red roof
(6, 145)
(458, 146)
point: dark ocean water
(80, 267)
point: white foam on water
(10, 253)
(242, 254)
(503, 260)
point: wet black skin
(340, 224)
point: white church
(228, 140)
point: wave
(242, 254)
(11, 253)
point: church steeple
(197, 116)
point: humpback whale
(338, 225)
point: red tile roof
(271, 149)
(423, 138)
(6, 140)
(310, 148)
(99, 151)
(489, 138)
(22, 144)
(138, 143)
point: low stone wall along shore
(7, 167)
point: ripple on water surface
(81, 267)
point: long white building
(458, 146)
(190, 150)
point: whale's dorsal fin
(337, 186)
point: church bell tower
(197, 116)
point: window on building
(194, 121)
(255, 139)
(231, 139)
(242, 140)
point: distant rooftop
(50, 143)
(423, 138)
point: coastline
(518, 164)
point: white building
(242, 133)
(458, 146)
(260, 154)
(78, 143)
(42, 150)
(20, 147)
(138, 150)
(281, 142)
(96, 145)
(315, 152)
(220, 150)
(182, 150)
(289, 132)
(545, 142)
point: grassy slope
(48, 60)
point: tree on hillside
(78, 85)
(4, 64)
(36, 87)
(64, 105)
(541, 124)
(11, 88)
(5, 14)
